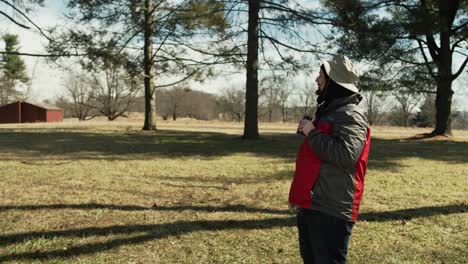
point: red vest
(307, 171)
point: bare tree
(284, 93)
(269, 95)
(232, 103)
(174, 100)
(306, 99)
(113, 91)
(79, 91)
(425, 117)
(375, 102)
(406, 104)
(275, 93)
(199, 105)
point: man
(331, 164)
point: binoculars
(307, 117)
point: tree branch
(226, 53)
(461, 53)
(275, 46)
(162, 43)
(27, 18)
(181, 80)
(461, 69)
(455, 44)
(301, 15)
(455, 29)
(294, 48)
(426, 60)
(388, 3)
(431, 44)
(41, 55)
(14, 21)
(407, 61)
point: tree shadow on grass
(150, 232)
(139, 145)
(143, 233)
(239, 208)
(71, 145)
(411, 213)
(386, 153)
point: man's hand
(305, 126)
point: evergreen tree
(13, 70)
(150, 30)
(416, 41)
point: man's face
(321, 81)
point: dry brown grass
(193, 192)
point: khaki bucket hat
(341, 70)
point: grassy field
(193, 192)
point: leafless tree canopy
(231, 104)
(79, 92)
(113, 91)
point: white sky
(48, 81)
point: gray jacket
(344, 154)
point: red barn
(25, 112)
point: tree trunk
(150, 108)
(251, 99)
(444, 67)
(284, 113)
(174, 113)
(443, 108)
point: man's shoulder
(346, 113)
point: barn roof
(45, 106)
(41, 105)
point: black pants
(323, 238)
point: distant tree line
(277, 103)
(406, 109)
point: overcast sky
(48, 81)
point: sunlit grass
(194, 192)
